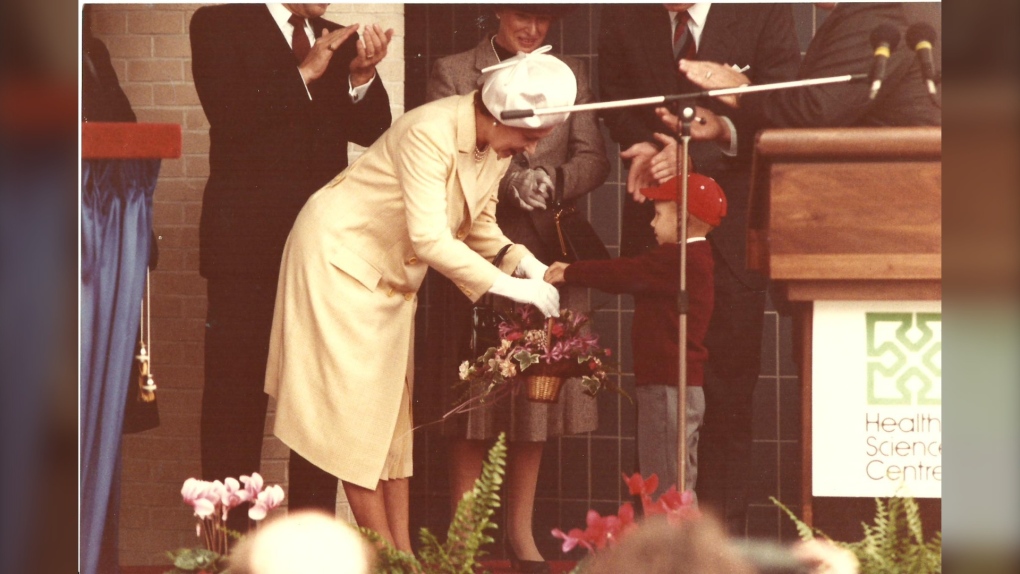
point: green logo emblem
(904, 358)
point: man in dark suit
(284, 91)
(840, 46)
(638, 53)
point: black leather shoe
(526, 566)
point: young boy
(653, 278)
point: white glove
(534, 291)
(532, 187)
(531, 268)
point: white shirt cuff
(732, 150)
(358, 94)
(305, 84)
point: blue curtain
(116, 219)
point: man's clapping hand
(713, 76)
(371, 50)
(713, 128)
(372, 47)
(318, 58)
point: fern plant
(466, 536)
(893, 544)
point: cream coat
(341, 345)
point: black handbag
(578, 240)
(487, 314)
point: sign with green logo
(877, 398)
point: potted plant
(212, 503)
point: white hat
(529, 81)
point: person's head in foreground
(527, 81)
(300, 543)
(706, 206)
(694, 546)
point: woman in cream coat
(423, 195)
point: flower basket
(544, 388)
(541, 353)
(544, 380)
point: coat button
(408, 296)
(412, 261)
(391, 292)
(461, 234)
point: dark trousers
(310, 486)
(734, 341)
(238, 323)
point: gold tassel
(146, 384)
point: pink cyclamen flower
(601, 530)
(267, 500)
(639, 485)
(252, 485)
(571, 539)
(196, 494)
(232, 495)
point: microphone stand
(654, 100)
(682, 299)
(683, 153)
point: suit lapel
(274, 46)
(717, 38)
(658, 44)
(484, 56)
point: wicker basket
(544, 388)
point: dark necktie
(683, 40)
(300, 39)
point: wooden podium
(845, 214)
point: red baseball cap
(705, 199)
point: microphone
(884, 39)
(920, 37)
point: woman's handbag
(486, 315)
(578, 240)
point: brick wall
(151, 53)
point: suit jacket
(271, 146)
(574, 153)
(842, 46)
(636, 60)
(341, 343)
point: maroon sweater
(653, 279)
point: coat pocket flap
(350, 263)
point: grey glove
(532, 188)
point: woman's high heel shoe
(526, 566)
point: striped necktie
(683, 40)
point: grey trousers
(657, 433)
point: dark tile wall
(582, 472)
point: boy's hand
(556, 273)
